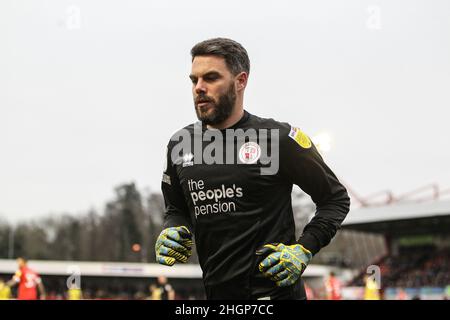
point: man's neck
(230, 121)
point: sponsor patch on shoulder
(300, 137)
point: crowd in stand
(431, 270)
(414, 267)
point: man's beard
(219, 111)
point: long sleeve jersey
(232, 188)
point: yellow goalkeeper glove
(285, 264)
(173, 245)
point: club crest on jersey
(187, 160)
(300, 137)
(250, 152)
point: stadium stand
(418, 256)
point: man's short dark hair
(234, 53)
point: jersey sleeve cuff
(310, 242)
(176, 221)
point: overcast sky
(90, 91)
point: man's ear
(241, 81)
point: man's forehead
(205, 64)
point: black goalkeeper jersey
(234, 194)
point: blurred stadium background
(405, 237)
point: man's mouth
(203, 104)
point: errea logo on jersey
(187, 160)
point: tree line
(125, 230)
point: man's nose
(200, 87)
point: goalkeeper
(238, 211)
